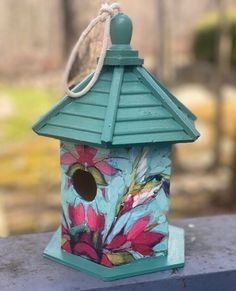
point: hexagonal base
(174, 259)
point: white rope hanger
(105, 14)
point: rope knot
(108, 10)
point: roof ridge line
(175, 98)
(112, 106)
(56, 108)
(167, 102)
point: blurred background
(189, 45)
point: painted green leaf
(77, 229)
(119, 258)
(98, 176)
(71, 170)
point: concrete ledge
(210, 263)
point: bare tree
(165, 66)
(69, 31)
(165, 60)
(223, 67)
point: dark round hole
(84, 184)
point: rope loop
(105, 14)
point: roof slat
(77, 122)
(141, 126)
(102, 86)
(130, 77)
(180, 105)
(143, 113)
(55, 109)
(134, 88)
(84, 110)
(179, 116)
(70, 134)
(144, 138)
(138, 100)
(92, 98)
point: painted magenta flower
(139, 238)
(85, 156)
(65, 241)
(89, 241)
(83, 159)
(96, 221)
(76, 214)
(84, 236)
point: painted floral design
(84, 158)
(133, 230)
(84, 237)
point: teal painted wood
(165, 137)
(70, 134)
(138, 115)
(93, 98)
(121, 30)
(77, 122)
(174, 259)
(120, 53)
(183, 119)
(110, 118)
(142, 113)
(134, 88)
(129, 76)
(84, 110)
(180, 105)
(66, 100)
(102, 87)
(138, 101)
(146, 126)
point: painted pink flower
(67, 247)
(65, 242)
(138, 238)
(105, 261)
(96, 221)
(87, 250)
(89, 242)
(76, 214)
(85, 155)
(138, 227)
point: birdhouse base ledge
(174, 259)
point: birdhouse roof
(126, 106)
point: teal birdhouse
(115, 146)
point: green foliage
(206, 37)
(28, 103)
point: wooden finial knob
(121, 29)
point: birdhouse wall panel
(123, 218)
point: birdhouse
(115, 147)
